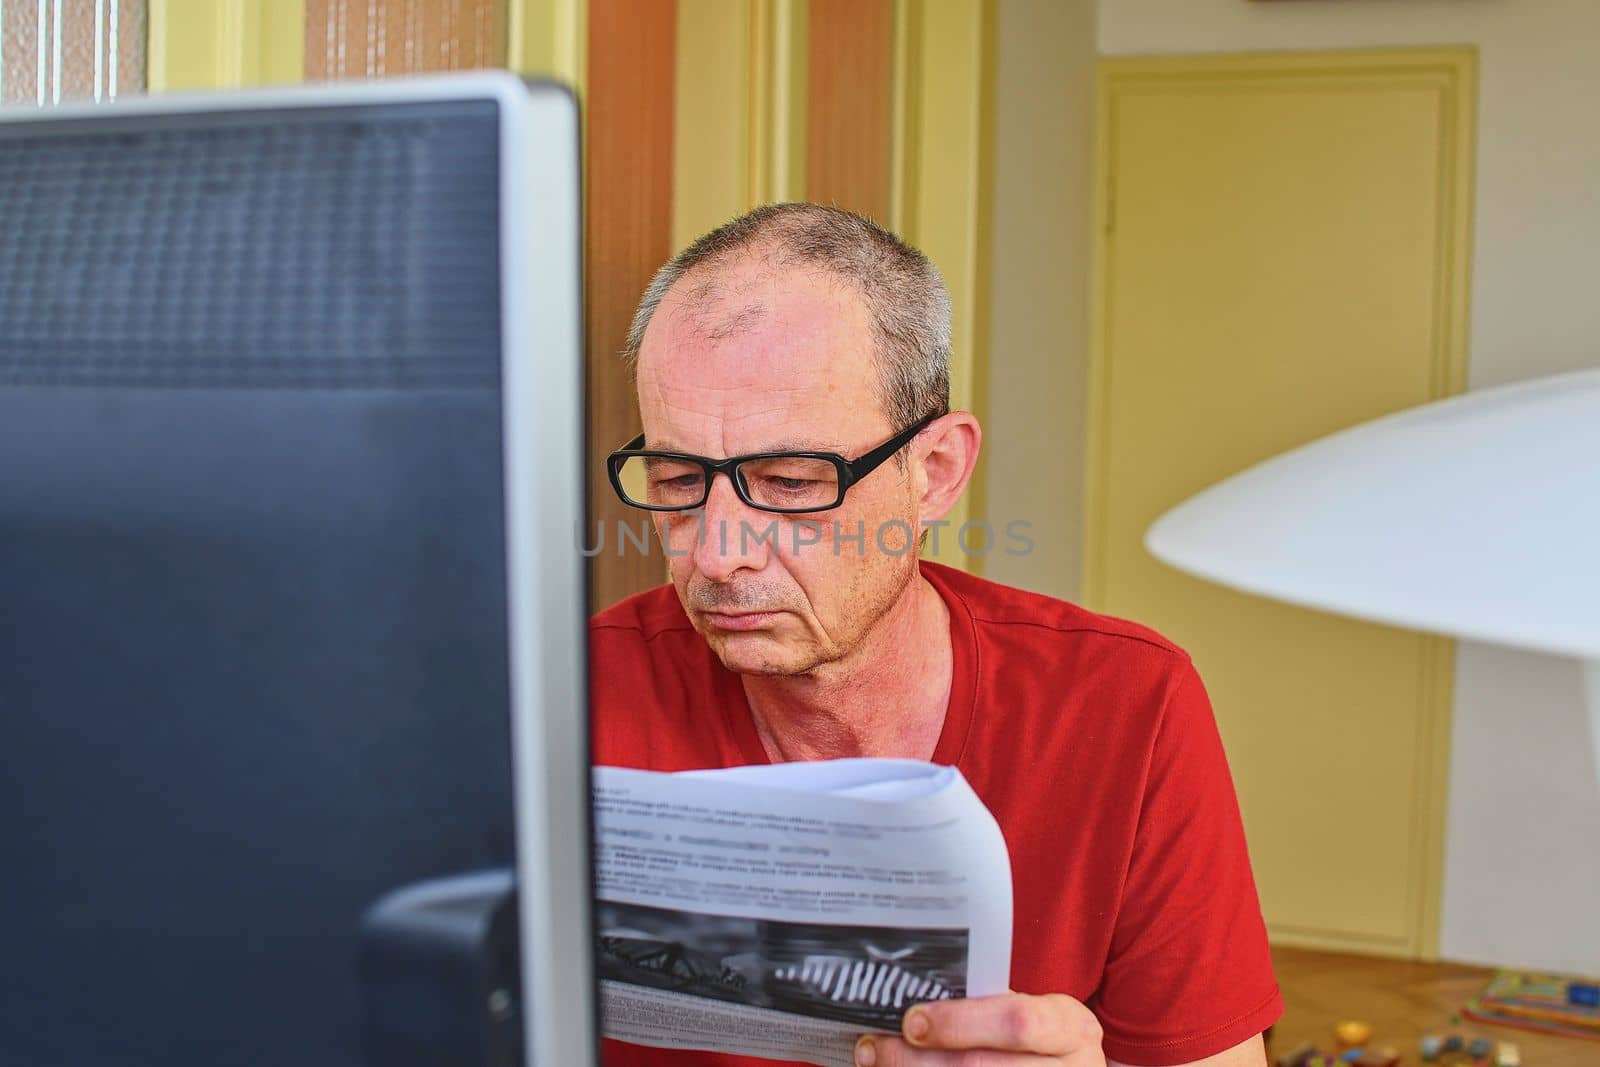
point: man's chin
(757, 653)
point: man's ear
(949, 453)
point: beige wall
(1039, 298)
(1522, 860)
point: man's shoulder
(658, 697)
(1009, 614)
(644, 616)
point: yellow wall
(211, 44)
(940, 193)
(548, 38)
(1043, 116)
(739, 116)
(713, 111)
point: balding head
(905, 300)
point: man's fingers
(878, 1050)
(1050, 1025)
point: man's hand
(1009, 1030)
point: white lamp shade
(1477, 517)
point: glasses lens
(791, 484)
(661, 482)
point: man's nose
(733, 535)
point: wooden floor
(1402, 1001)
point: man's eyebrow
(797, 444)
(787, 444)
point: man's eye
(775, 487)
(679, 481)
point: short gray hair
(904, 295)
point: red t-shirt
(1093, 743)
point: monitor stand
(439, 972)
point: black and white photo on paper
(862, 975)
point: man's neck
(887, 698)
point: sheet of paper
(783, 910)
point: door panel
(1282, 250)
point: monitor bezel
(543, 427)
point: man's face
(750, 358)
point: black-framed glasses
(788, 483)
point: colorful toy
(1350, 1055)
(1353, 1033)
(1508, 1055)
(1548, 1003)
(1453, 1043)
(1432, 1045)
(1479, 1048)
(1383, 1057)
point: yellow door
(1282, 250)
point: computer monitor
(291, 615)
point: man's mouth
(740, 620)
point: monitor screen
(264, 487)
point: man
(800, 625)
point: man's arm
(1012, 1030)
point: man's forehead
(752, 357)
(750, 308)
